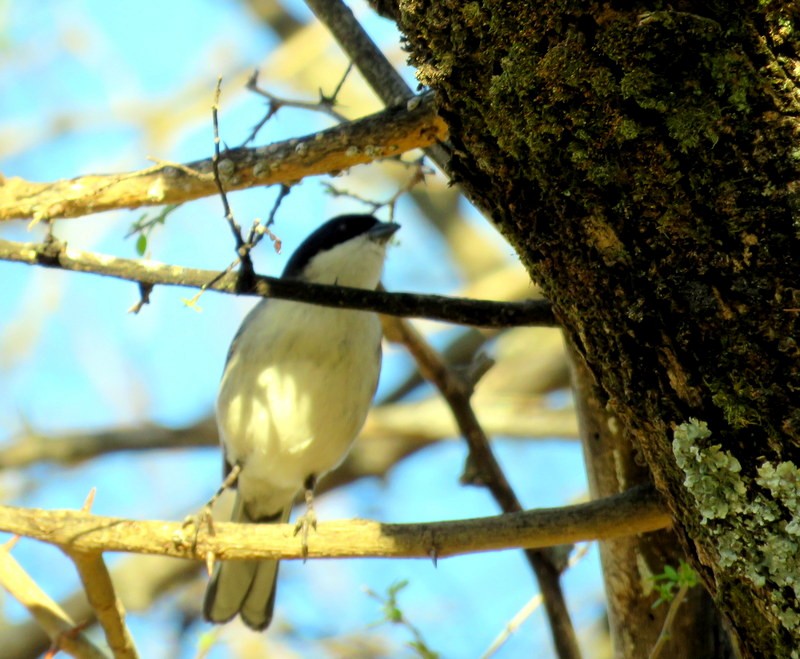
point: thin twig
(379, 73)
(325, 104)
(666, 629)
(526, 611)
(637, 511)
(480, 313)
(63, 632)
(482, 469)
(259, 230)
(243, 247)
(236, 230)
(282, 194)
(420, 171)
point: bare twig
(382, 135)
(325, 104)
(419, 171)
(482, 469)
(63, 632)
(435, 307)
(241, 249)
(664, 636)
(526, 611)
(636, 511)
(387, 83)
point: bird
(296, 388)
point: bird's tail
(244, 587)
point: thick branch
(636, 511)
(481, 313)
(391, 132)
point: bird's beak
(382, 231)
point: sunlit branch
(636, 511)
(388, 133)
(99, 590)
(62, 631)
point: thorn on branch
(89, 501)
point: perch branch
(636, 511)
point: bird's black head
(334, 232)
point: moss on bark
(644, 160)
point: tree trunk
(614, 465)
(645, 164)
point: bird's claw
(199, 520)
(302, 526)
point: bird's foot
(308, 520)
(202, 519)
(304, 524)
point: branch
(636, 511)
(417, 424)
(104, 602)
(385, 81)
(388, 133)
(379, 73)
(483, 469)
(74, 447)
(62, 631)
(481, 313)
(140, 581)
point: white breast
(292, 402)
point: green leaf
(141, 244)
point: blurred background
(88, 86)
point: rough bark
(643, 159)
(614, 465)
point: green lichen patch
(754, 522)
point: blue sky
(79, 81)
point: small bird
(296, 389)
